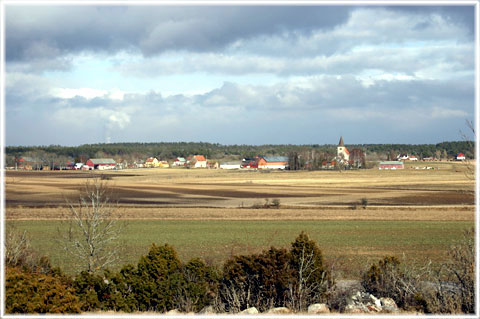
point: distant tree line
(171, 150)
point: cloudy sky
(238, 74)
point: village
(344, 159)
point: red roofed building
(197, 161)
(460, 157)
(101, 163)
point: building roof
(199, 157)
(28, 159)
(150, 159)
(391, 163)
(460, 155)
(97, 161)
(231, 163)
(340, 143)
(276, 158)
(181, 159)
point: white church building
(343, 155)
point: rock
(173, 312)
(249, 311)
(372, 308)
(318, 308)
(208, 310)
(389, 305)
(376, 301)
(353, 310)
(279, 310)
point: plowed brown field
(160, 193)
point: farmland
(215, 214)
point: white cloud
(87, 93)
(441, 112)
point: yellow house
(163, 164)
(151, 162)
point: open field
(218, 188)
(209, 213)
(352, 244)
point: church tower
(342, 151)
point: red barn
(101, 163)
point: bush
(200, 285)
(258, 280)
(36, 292)
(387, 279)
(453, 286)
(311, 278)
(275, 278)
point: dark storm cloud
(459, 14)
(34, 32)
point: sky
(82, 74)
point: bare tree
(93, 227)
(304, 291)
(470, 171)
(17, 247)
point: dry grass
(232, 189)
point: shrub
(259, 280)
(158, 277)
(275, 278)
(200, 285)
(388, 279)
(453, 286)
(311, 279)
(275, 203)
(36, 292)
(364, 203)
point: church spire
(341, 141)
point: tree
(93, 227)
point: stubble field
(214, 214)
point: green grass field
(351, 244)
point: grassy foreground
(352, 245)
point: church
(352, 159)
(343, 155)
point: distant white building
(230, 165)
(343, 154)
(460, 157)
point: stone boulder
(363, 302)
(388, 305)
(249, 311)
(318, 308)
(208, 310)
(173, 312)
(279, 310)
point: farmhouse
(391, 165)
(460, 157)
(197, 161)
(163, 164)
(406, 157)
(27, 162)
(180, 161)
(273, 162)
(101, 163)
(151, 162)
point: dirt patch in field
(440, 198)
